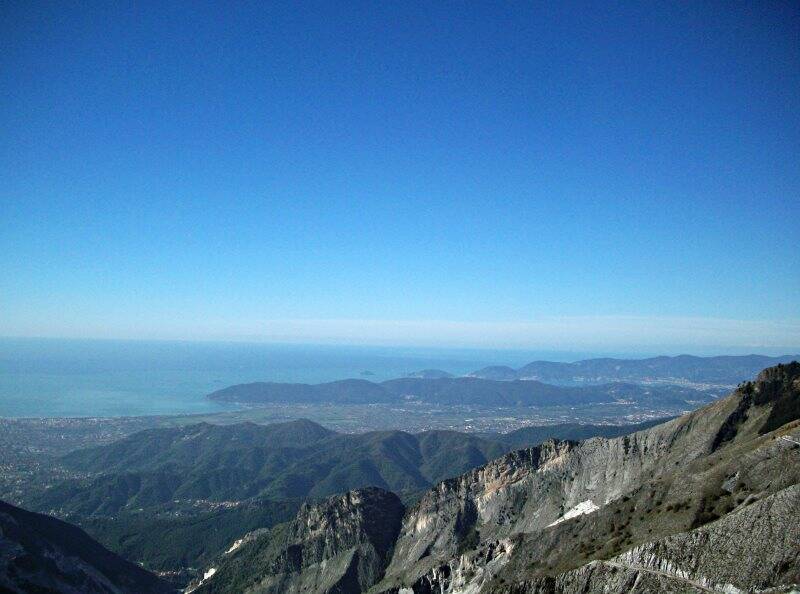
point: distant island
(429, 374)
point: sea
(113, 378)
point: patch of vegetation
(162, 542)
(781, 385)
(470, 540)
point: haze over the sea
(53, 378)
(64, 378)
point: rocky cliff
(749, 550)
(341, 545)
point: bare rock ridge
(42, 554)
(749, 550)
(340, 545)
(511, 525)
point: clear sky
(467, 174)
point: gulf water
(72, 378)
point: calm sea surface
(67, 378)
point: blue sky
(464, 174)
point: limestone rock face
(339, 545)
(528, 490)
(751, 550)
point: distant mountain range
(674, 381)
(458, 391)
(429, 374)
(726, 370)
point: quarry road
(671, 576)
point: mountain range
(705, 502)
(280, 462)
(448, 391)
(673, 381)
(727, 370)
(173, 498)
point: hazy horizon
(494, 355)
(608, 334)
(112, 378)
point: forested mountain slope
(235, 462)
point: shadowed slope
(41, 554)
